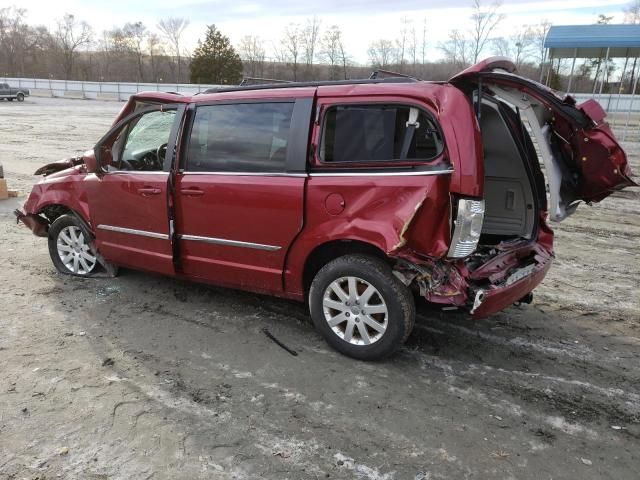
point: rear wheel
(69, 248)
(20, 97)
(360, 307)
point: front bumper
(38, 225)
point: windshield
(148, 132)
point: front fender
(65, 190)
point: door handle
(192, 192)
(149, 191)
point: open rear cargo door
(583, 160)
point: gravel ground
(143, 377)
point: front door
(239, 196)
(128, 196)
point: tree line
(305, 51)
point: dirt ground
(142, 377)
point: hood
(58, 166)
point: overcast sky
(361, 21)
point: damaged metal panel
(438, 281)
(61, 188)
(38, 225)
(58, 166)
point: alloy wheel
(74, 251)
(355, 310)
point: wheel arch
(52, 211)
(328, 251)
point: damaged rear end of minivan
(535, 157)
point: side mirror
(91, 161)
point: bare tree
(517, 46)
(457, 49)
(253, 54)
(330, 45)
(344, 57)
(134, 37)
(19, 40)
(412, 46)
(291, 46)
(11, 40)
(381, 53)
(154, 50)
(172, 29)
(37, 44)
(70, 36)
(423, 43)
(632, 13)
(538, 33)
(401, 42)
(604, 19)
(310, 36)
(484, 21)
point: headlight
(467, 228)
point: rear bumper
(38, 225)
(497, 298)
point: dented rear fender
(403, 217)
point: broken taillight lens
(467, 228)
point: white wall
(122, 91)
(110, 90)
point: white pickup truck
(13, 93)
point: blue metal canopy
(593, 36)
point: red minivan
(347, 195)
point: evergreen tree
(215, 60)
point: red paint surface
(264, 210)
(500, 298)
(120, 200)
(404, 217)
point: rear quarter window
(379, 133)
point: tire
(20, 97)
(335, 315)
(10, 99)
(69, 249)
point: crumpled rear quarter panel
(400, 215)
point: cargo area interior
(509, 195)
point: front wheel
(360, 307)
(69, 248)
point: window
(143, 142)
(373, 133)
(247, 137)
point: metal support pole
(573, 66)
(633, 96)
(549, 71)
(624, 70)
(604, 72)
(597, 76)
(544, 58)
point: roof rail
(376, 74)
(402, 79)
(247, 81)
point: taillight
(467, 228)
